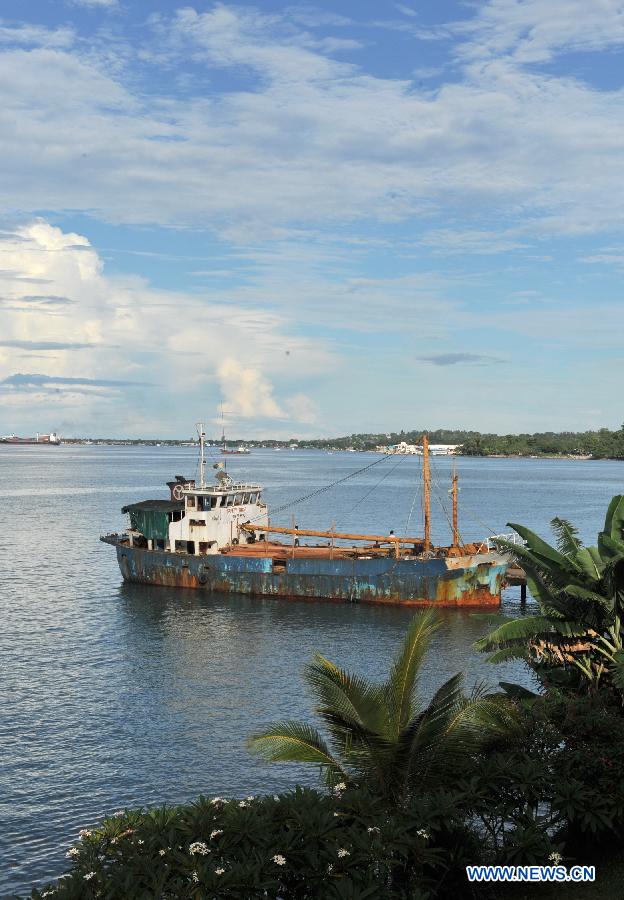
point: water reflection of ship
(219, 537)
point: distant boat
(235, 451)
(45, 440)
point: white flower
(48, 893)
(243, 804)
(373, 830)
(195, 876)
(162, 852)
(217, 801)
(423, 834)
(216, 833)
(119, 812)
(276, 798)
(219, 871)
(555, 857)
(342, 853)
(199, 847)
(89, 876)
(140, 843)
(114, 840)
(72, 853)
(339, 788)
(279, 860)
(84, 833)
(330, 869)
(250, 799)
(336, 815)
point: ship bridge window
(190, 502)
(252, 498)
(238, 499)
(245, 498)
(230, 500)
(214, 502)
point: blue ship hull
(473, 580)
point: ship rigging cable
(328, 487)
(375, 486)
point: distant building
(416, 449)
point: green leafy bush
(302, 844)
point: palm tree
(379, 735)
(580, 593)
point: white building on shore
(416, 450)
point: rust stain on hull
(405, 582)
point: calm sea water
(116, 695)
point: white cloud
(124, 344)
(36, 35)
(315, 140)
(533, 31)
(246, 392)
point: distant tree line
(601, 444)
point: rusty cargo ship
(218, 537)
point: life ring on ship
(202, 574)
(177, 491)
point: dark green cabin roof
(154, 506)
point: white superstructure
(211, 516)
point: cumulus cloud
(246, 392)
(128, 345)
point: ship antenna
(454, 496)
(426, 493)
(202, 460)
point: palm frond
(349, 698)
(609, 548)
(614, 519)
(590, 562)
(453, 728)
(617, 670)
(293, 742)
(527, 627)
(551, 558)
(400, 686)
(568, 540)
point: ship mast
(426, 493)
(202, 461)
(454, 498)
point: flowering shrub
(288, 846)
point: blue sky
(327, 217)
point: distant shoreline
(276, 445)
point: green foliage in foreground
(296, 845)
(577, 639)
(382, 735)
(554, 787)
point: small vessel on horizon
(40, 440)
(218, 537)
(234, 451)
